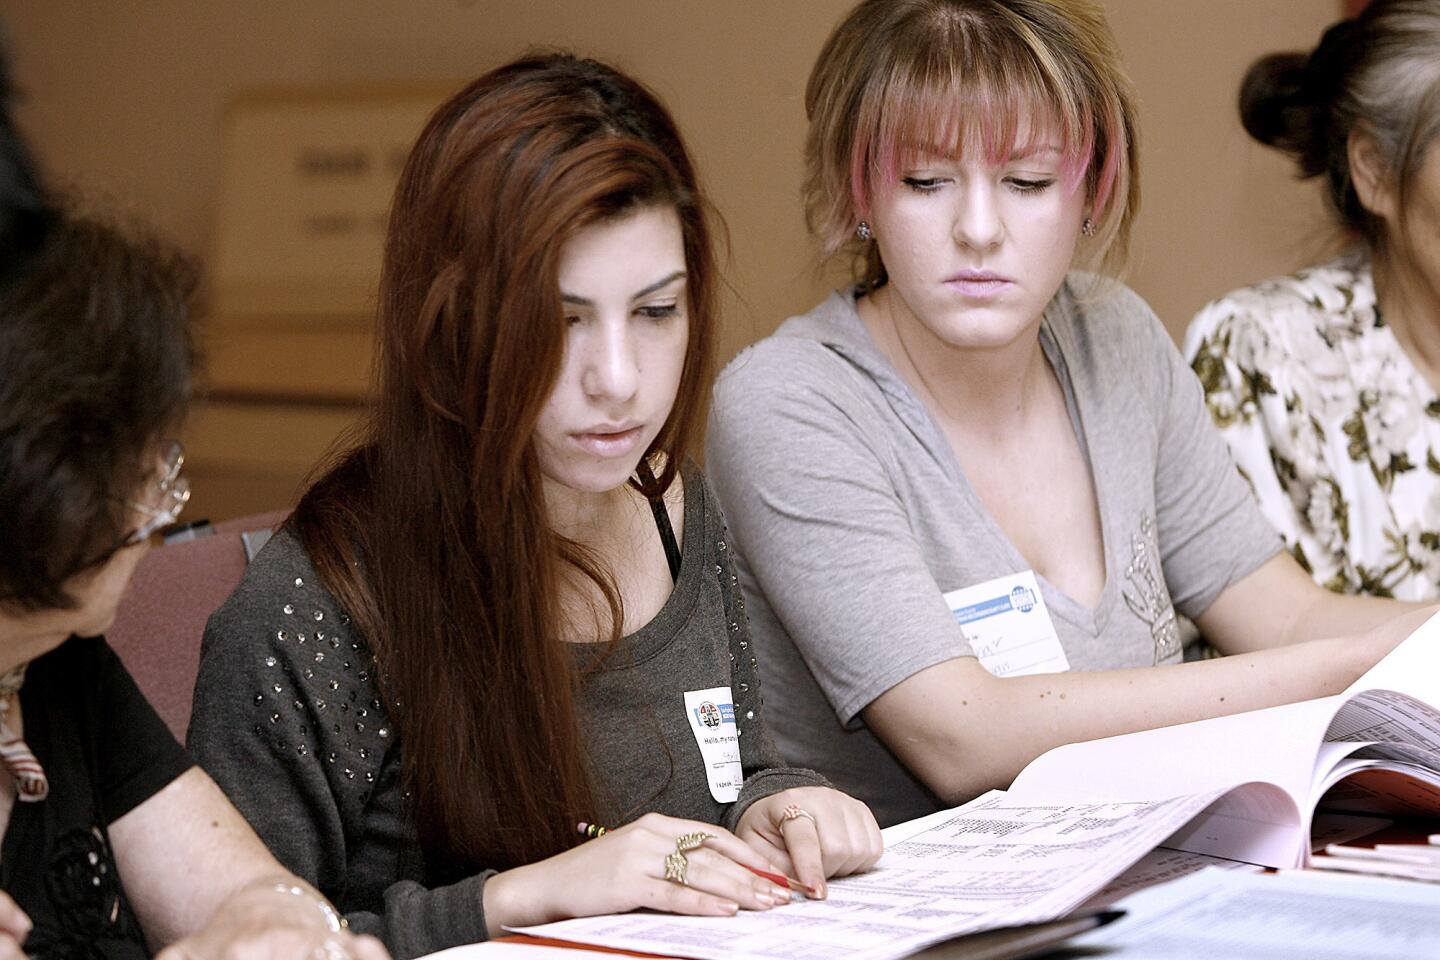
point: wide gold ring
(675, 866)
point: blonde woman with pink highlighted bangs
(969, 494)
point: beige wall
(1218, 210)
(125, 100)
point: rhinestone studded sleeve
(256, 724)
(765, 770)
(288, 720)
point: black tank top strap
(662, 523)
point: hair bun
(1275, 106)
(1285, 98)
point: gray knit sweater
(289, 721)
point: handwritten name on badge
(1009, 626)
(712, 719)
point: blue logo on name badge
(712, 716)
(1022, 599)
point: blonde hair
(898, 77)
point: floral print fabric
(1337, 432)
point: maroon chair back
(162, 616)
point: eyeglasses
(163, 502)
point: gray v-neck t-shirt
(852, 518)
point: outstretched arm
(963, 731)
(1279, 605)
(194, 869)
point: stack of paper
(1410, 861)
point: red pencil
(783, 881)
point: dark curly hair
(1379, 72)
(95, 368)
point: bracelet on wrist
(334, 923)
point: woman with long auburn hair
(510, 609)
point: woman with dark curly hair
(113, 841)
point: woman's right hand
(625, 870)
(14, 929)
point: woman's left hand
(814, 832)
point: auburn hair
(432, 531)
(901, 77)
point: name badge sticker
(712, 719)
(1009, 626)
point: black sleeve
(136, 754)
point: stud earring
(1088, 227)
(863, 231)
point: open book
(1243, 788)
(1375, 749)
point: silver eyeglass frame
(173, 492)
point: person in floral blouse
(1324, 383)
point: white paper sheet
(1287, 916)
(990, 863)
(1275, 745)
(1386, 716)
(1161, 865)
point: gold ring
(692, 841)
(675, 866)
(794, 812)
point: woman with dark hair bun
(1326, 383)
(114, 841)
(510, 611)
